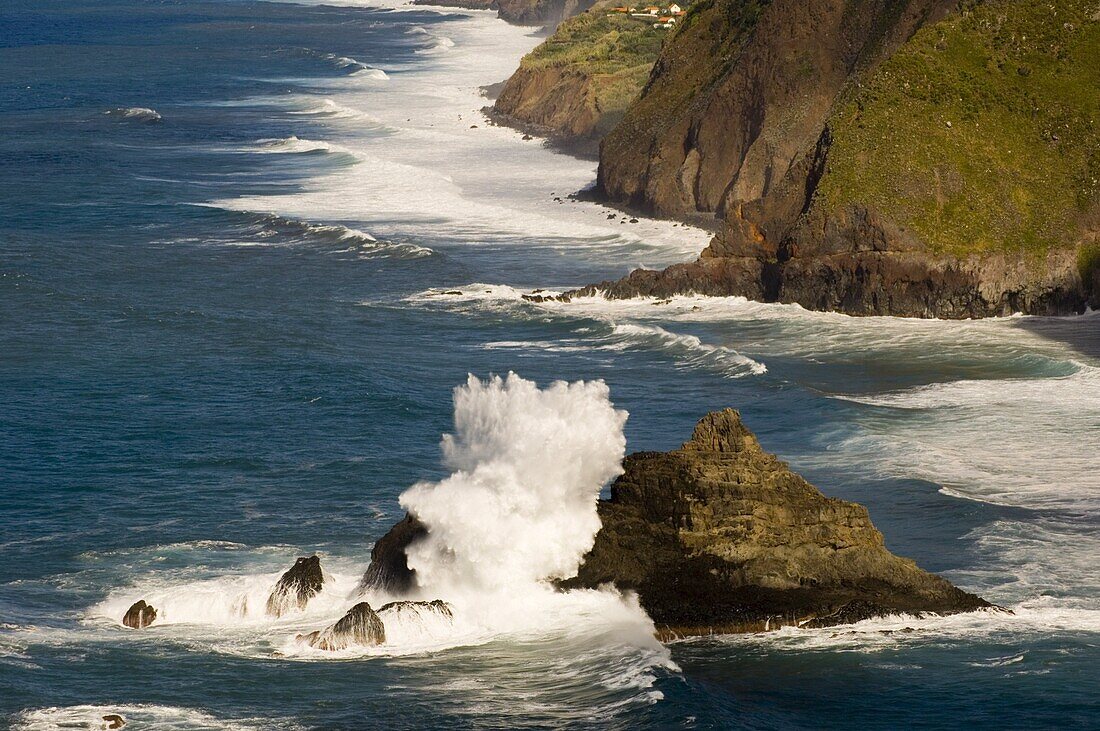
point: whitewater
(248, 302)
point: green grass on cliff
(616, 52)
(983, 132)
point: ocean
(249, 251)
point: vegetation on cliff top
(615, 51)
(981, 133)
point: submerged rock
(389, 567)
(720, 536)
(296, 587)
(360, 626)
(113, 721)
(140, 615)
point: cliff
(908, 157)
(540, 12)
(520, 12)
(719, 536)
(576, 86)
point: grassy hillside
(616, 52)
(983, 132)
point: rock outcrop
(720, 536)
(389, 568)
(928, 158)
(140, 615)
(576, 86)
(113, 721)
(361, 626)
(296, 587)
(435, 607)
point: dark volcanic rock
(360, 626)
(389, 568)
(140, 615)
(436, 606)
(737, 123)
(296, 587)
(720, 536)
(113, 721)
(859, 263)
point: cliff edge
(930, 158)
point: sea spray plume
(520, 506)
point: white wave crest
(136, 114)
(636, 333)
(294, 144)
(520, 506)
(690, 350)
(156, 718)
(223, 601)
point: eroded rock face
(361, 626)
(296, 587)
(859, 263)
(721, 536)
(436, 606)
(753, 107)
(140, 615)
(540, 12)
(741, 97)
(389, 568)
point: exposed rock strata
(860, 263)
(296, 587)
(575, 86)
(361, 626)
(140, 615)
(720, 536)
(738, 119)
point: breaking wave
(275, 230)
(636, 333)
(161, 718)
(135, 114)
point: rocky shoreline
(811, 207)
(721, 537)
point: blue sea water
(248, 249)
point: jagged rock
(296, 587)
(720, 536)
(113, 721)
(360, 626)
(140, 615)
(389, 568)
(436, 606)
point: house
(652, 10)
(675, 9)
(665, 22)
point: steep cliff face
(741, 98)
(577, 85)
(540, 12)
(720, 536)
(909, 158)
